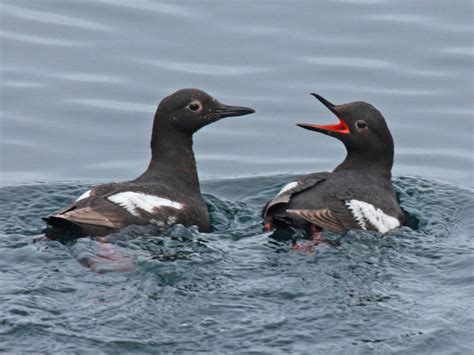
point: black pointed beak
(228, 111)
(326, 103)
(336, 130)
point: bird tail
(60, 227)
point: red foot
(307, 247)
(316, 234)
(267, 227)
(109, 259)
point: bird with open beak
(357, 194)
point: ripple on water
(148, 6)
(114, 105)
(205, 68)
(39, 40)
(50, 18)
(237, 289)
(367, 63)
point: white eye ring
(194, 106)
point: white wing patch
(287, 187)
(84, 195)
(134, 201)
(365, 213)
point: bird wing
(87, 196)
(376, 195)
(117, 205)
(91, 216)
(323, 218)
(92, 208)
(370, 205)
(352, 210)
(301, 184)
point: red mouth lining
(340, 127)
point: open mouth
(340, 127)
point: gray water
(80, 81)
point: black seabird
(358, 194)
(168, 192)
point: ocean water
(79, 83)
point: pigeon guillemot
(168, 192)
(358, 194)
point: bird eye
(361, 124)
(194, 106)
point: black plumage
(358, 194)
(168, 192)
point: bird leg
(308, 246)
(316, 234)
(267, 227)
(108, 254)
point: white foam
(157, 222)
(365, 213)
(134, 201)
(84, 195)
(170, 220)
(287, 187)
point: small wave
(114, 105)
(41, 40)
(205, 68)
(51, 18)
(348, 62)
(146, 6)
(236, 281)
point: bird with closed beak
(168, 192)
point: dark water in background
(79, 85)
(236, 289)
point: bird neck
(373, 164)
(172, 158)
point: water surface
(79, 85)
(238, 289)
(80, 82)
